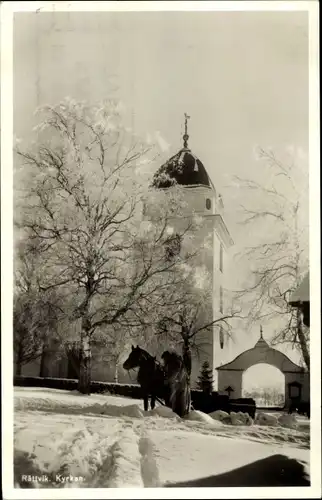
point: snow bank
(233, 418)
(132, 411)
(70, 402)
(162, 411)
(199, 416)
(266, 419)
(221, 415)
(236, 419)
(240, 418)
(289, 421)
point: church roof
(261, 342)
(184, 168)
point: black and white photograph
(160, 243)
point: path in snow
(105, 452)
(110, 442)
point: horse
(177, 392)
(150, 375)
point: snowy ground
(64, 439)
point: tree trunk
(116, 373)
(186, 351)
(84, 381)
(19, 355)
(43, 371)
(302, 339)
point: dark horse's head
(136, 358)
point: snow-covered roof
(302, 292)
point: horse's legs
(172, 399)
(146, 403)
(152, 401)
(166, 395)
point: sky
(241, 76)
(263, 376)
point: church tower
(213, 240)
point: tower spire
(261, 332)
(186, 136)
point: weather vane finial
(261, 331)
(186, 136)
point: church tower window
(221, 258)
(221, 337)
(208, 204)
(221, 300)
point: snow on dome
(302, 292)
(183, 168)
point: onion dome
(184, 168)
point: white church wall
(196, 200)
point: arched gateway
(297, 384)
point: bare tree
(85, 195)
(276, 212)
(268, 396)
